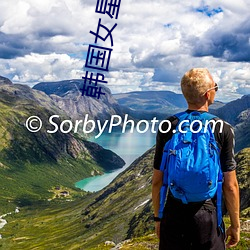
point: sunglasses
(216, 87)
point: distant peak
(4, 80)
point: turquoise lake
(129, 146)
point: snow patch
(142, 204)
(143, 186)
(2, 223)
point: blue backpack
(191, 162)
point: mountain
(162, 102)
(151, 100)
(243, 175)
(216, 105)
(68, 97)
(4, 80)
(138, 105)
(149, 104)
(124, 208)
(232, 110)
(237, 114)
(141, 105)
(242, 130)
(32, 163)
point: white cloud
(34, 68)
(154, 42)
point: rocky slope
(232, 110)
(68, 97)
(243, 175)
(237, 114)
(242, 130)
(4, 80)
(126, 206)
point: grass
(31, 183)
(244, 243)
(51, 225)
(150, 242)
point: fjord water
(128, 146)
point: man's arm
(157, 178)
(156, 187)
(232, 200)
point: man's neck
(198, 107)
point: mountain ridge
(154, 103)
(4, 80)
(237, 114)
(67, 95)
(230, 111)
(58, 159)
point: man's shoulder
(227, 127)
(171, 118)
(220, 124)
(173, 121)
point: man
(194, 225)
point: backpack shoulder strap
(208, 116)
(182, 115)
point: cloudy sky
(155, 42)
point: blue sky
(155, 42)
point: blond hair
(195, 83)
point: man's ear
(207, 95)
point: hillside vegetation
(121, 211)
(32, 163)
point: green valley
(121, 213)
(32, 163)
